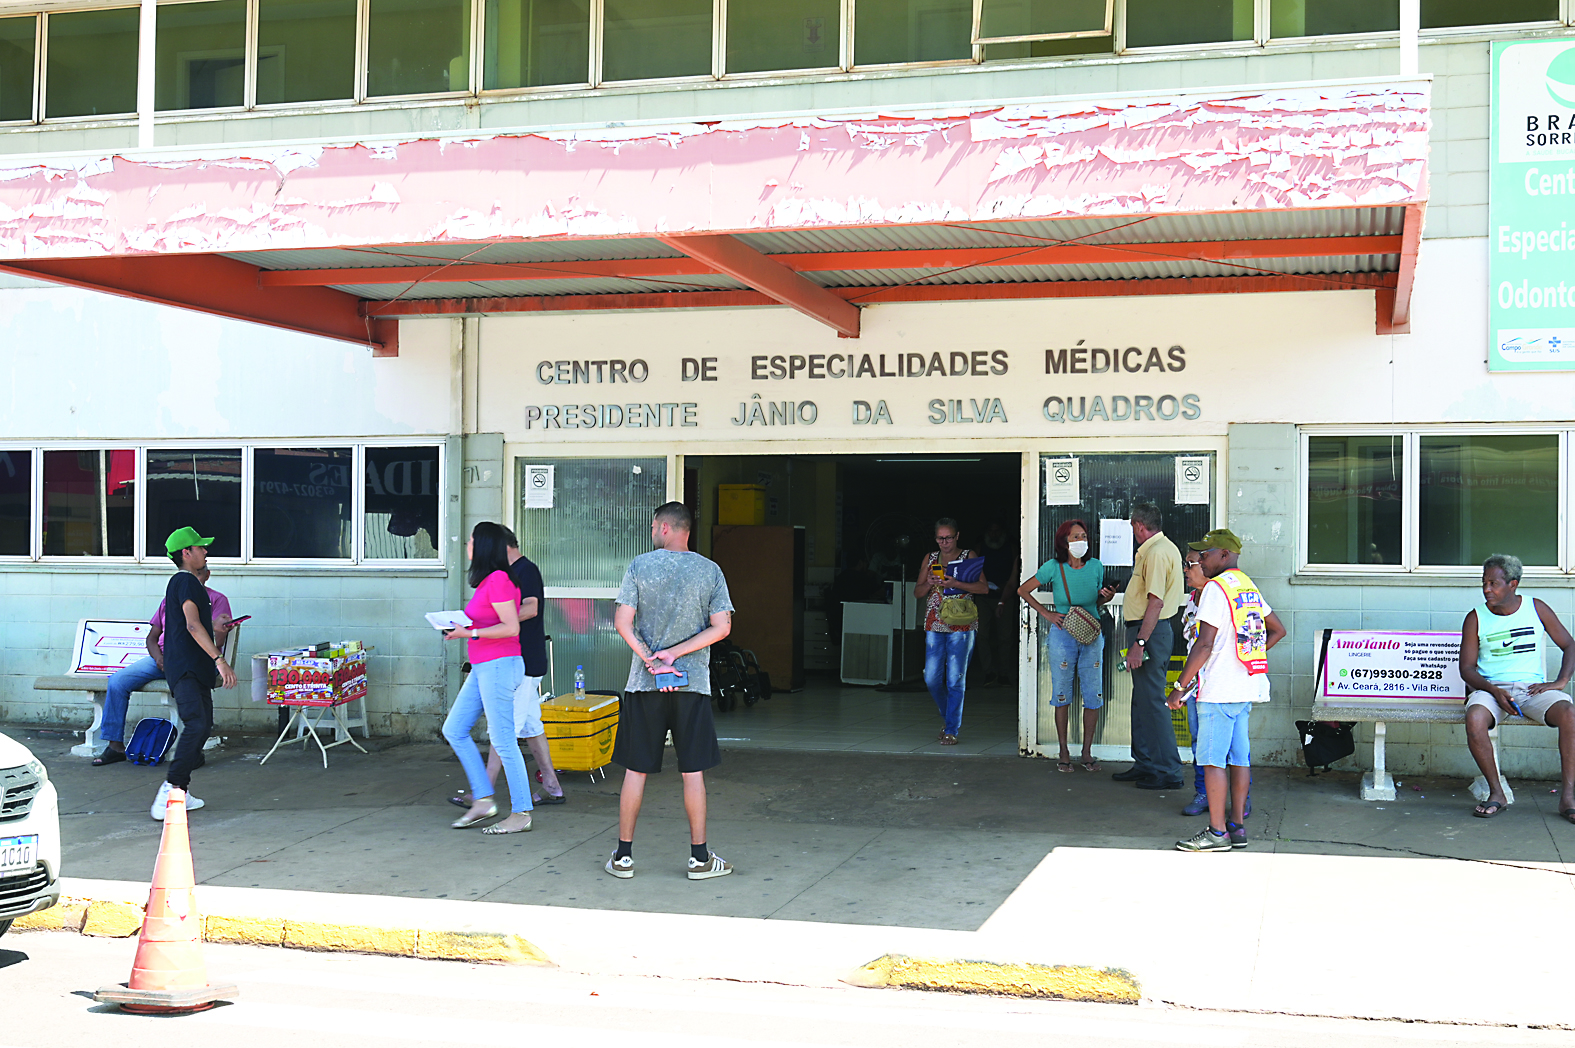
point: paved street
(913, 841)
(347, 1000)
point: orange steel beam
(908, 293)
(727, 254)
(1394, 309)
(224, 287)
(830, 261)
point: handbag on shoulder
(1083, 627)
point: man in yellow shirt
(1153, 595)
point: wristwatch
(1141, 642)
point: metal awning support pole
(147, 33)
(1410, 25)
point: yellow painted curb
(122, 919)
(478, 947)
(244, 931)
(65, 915)
(1067, 982)
(354, 938)
(114, 920)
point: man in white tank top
(1501, 661)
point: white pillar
(1410, 25)
(147, 31)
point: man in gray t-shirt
(673, 605)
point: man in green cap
(1230, 663)
(191, 659)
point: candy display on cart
(322, 675)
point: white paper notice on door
(1115, 542)
(1061, 483)
(539, 482)
(1192, 480)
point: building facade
(904, 159)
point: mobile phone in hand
(675, 679)
(237, 622)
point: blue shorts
(1222, 735)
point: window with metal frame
(1025, 21)
(897, 32)
(1433, 500)
(417, 47)
(305, 51)
(18, 41)
(16, 502)
(200, 55)
(89, 506)
(192, 487)
(536, 43)
(90, 66)
(656, 39)
(768, 35)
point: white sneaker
(712, 867)
(161, 802)
(622, 868)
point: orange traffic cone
(168, 976)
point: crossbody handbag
(958, 611)
(1083, 627)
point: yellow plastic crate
(580, 731)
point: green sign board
(1531, 207)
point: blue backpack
(150, 741)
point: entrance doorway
(1104, 487)
(821, 554)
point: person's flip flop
(460, 800)
(1569, 814)
(109, 757)
(1488, 809)
(549, 798)
(1064, 766)
(1090, 765)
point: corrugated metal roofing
(423, 254)
(529, 288)
(1107, 271)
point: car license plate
(18, 854)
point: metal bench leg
(91, 745)
(1377, 785)
(1479, 785)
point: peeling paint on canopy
(1294, 148)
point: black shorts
(646, 717)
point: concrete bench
(1378, 784)
(96, 686)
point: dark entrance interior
(819, 551)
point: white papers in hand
(447, 620)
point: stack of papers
(447, 620)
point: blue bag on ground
(150, 741)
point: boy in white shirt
(1229, 662)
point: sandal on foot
(1064, 765)
(466, 821)
(109, 757)
(548, 798)
(948, 740)
(500, 829)
(1488, 809)
(460, 800)
(1568, 814)
(1089, 764)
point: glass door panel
(1109, 485)
(600, 520)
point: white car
(29, 834)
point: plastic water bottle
(579, 683)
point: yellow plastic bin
(580, 731)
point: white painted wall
(1292, 357)
(82, 365)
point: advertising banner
(1531, 207)
(1392, 666)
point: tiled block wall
(1264, 503)
(378, 607)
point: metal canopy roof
(1283, 188)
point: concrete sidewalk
(1339, 907)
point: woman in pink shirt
(496, 671)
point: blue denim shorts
(1222, 735)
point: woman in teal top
(1073, 578)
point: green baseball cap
(1219, 538)
(183, 538)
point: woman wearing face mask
(1074, 579)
